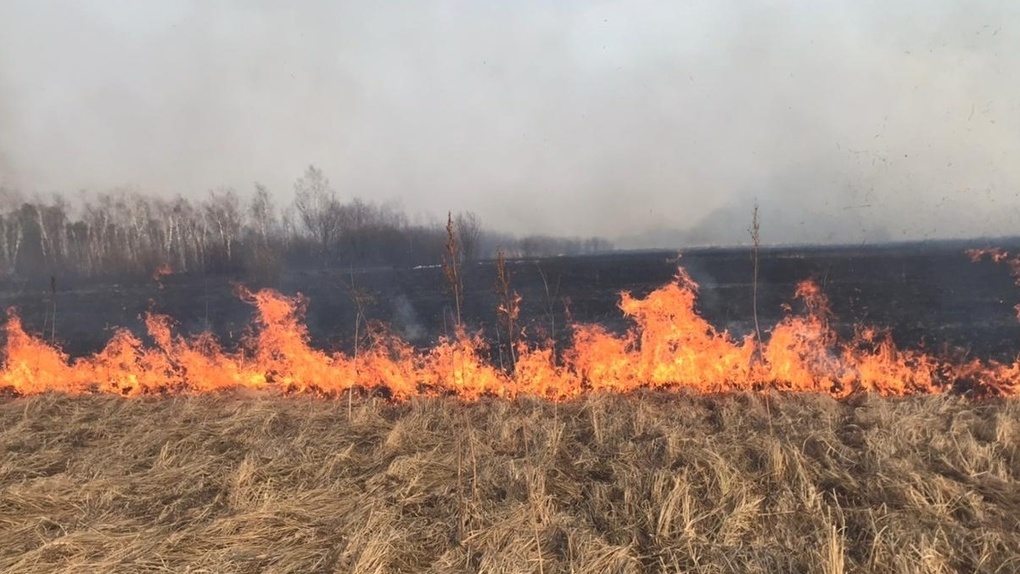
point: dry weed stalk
(361, 300)
(550, 300)
(756, 246)
(52, 310)
(452, 266)
(508, 309)
(759, 359)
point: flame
(161, 272)
(998, 255)
(669, 346)
(995, 254)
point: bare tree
(194, 235)
(53, 222)
(318, 208)
(183, 240)
(123, 232)
(11, 234)
(264, 253)
(225, 219)
(262, 215)
(469, 232)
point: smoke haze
(651, 122)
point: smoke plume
(652, 122)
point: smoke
(654, 122)
(406, 320)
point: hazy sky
(848, 121)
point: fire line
(669, 346)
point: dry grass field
(643, 482)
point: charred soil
(927, 295)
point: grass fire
(671, 445)
(669, 347)
(509, 287)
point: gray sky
(853, 121)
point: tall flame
(669, 346)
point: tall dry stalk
(53, 308)
(508, 309)
(463, 501)
(361, 299)
(474, 456)
(535, 495)
(550, 296)
(756, 246)
(759, 356)
(451, 266)
(462, 514)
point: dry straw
(637, 483)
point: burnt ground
(928, 295)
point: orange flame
(998, 255)
(669, 346)
(161, 272)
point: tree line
(127, 233)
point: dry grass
(648, 482)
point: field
(929, 294)
(645, 482)
(266, 480)
(611, 483)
